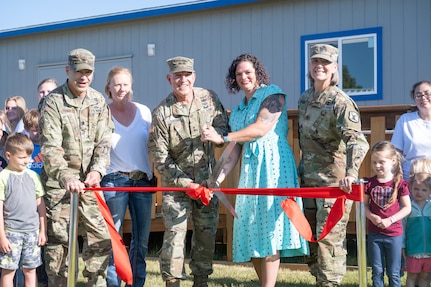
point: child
(3, 136)
(417, 232)
(4, 131)
(31, 126)
(387, 201)
(420, 165)
(23, 220)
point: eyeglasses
(426, 94)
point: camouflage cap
(81, 59)
(324, 51)
(180, 64)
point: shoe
(173, 283)
(200, 281)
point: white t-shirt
(412, 136)
(129, 150)
(20, 127)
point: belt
(135, 175)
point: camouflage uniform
(75, 138)
(333, 147)
(181, 158)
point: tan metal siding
(270, 29)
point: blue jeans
(385, 252)
(139, 204)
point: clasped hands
(208, 133)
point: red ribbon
(295, 214)
(298, 219)
(121, 258)
(290, 207)
(305, 192)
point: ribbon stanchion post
(73, 240)
(361, 238)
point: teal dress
(262, 227)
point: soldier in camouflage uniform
(182, 160)
(76, 130)
(333, 148)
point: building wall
(269, 29)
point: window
(359, 61)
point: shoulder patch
(354, 117)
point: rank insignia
(354, 117)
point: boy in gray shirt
(23, 220)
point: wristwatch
(225, 137)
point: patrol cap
(180, 64)
(324, 51)
(81, 59)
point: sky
(26, 13)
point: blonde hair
(420, 171)
(20, 102)
(4, 121)
(21, 108)
(420, 165)
(113, 72)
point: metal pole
(73, 236)
(360, 239)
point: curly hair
(261, 74)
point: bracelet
(392, 219)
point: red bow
(291, 208)
(201, 193)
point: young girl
(387, 201)
(417, 232)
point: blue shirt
(36, 163)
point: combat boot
(200, 281)
(173, 283)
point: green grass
(226, 274)
(235, 275)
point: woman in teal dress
(262, 232)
